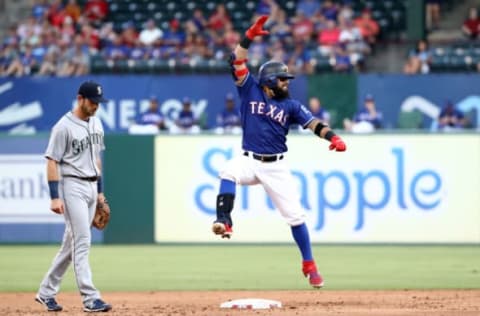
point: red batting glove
(337, 144)
(257, 28)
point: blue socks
(302, 238)
(227, 187)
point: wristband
(53, 186)
(329, 135)
(245, 42)
(319, 128)
(99, 185)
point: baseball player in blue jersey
(267, 111)
(75, 183)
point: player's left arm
(324, 131)
(101, 195)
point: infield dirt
(302, 303)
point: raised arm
(238, 59)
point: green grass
(250, 267)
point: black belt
(264, 158)
(91, 179)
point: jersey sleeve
(301, 114)
(57, 144)
(99, 125)
(246, 85)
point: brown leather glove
(102, 215)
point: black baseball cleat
(223, 229)
(50, 303)
(97, 306)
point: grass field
(250, 267)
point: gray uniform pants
(79, 211)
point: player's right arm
(54, 153)
(56, 204)
(238, 60)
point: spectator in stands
(346, 12)
(96, 11)
(280, 30)
(77, 60)
(23, 64)
(432, 10)
(341, 58)
(40, 9)
(367, 119)
(197, 23)
(302, 28)
(315, 106)
(368, 27)
(186, 121)
(174, 35)
(228, 121)
(419, 60)
(356, 47)
(219, 18)
(300, 59)
(150, 33)
(48, 67)
(153, 116)
(308, 7)
(329, 9)
(266, 7)
(328, 38)
(56, 13)
(73, 10)
(67, 30)
(129, 34)
(451, 118)
(230, 37)
(471, 26)
(116, 50)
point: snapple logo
(421, 190)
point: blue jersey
(228, 118)
(186, 119)
(151, 117)
(266, 121)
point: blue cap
(186, 100)
(92, 91)
(369, 97)
(153, 97)
(229, 96)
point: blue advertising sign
(31, 104)
(425, 93)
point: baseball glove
(102, 215)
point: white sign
(24, 195)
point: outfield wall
(387, 188)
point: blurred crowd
(421, 57)
(59, 38)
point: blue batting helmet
(270, 71)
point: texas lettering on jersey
(269, 110)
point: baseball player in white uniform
(267, 111)
(75, 183)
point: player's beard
(280, 94)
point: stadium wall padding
(129, 188)
(338, 94)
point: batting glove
(337, 144)
(257, 28)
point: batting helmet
(272, 70)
